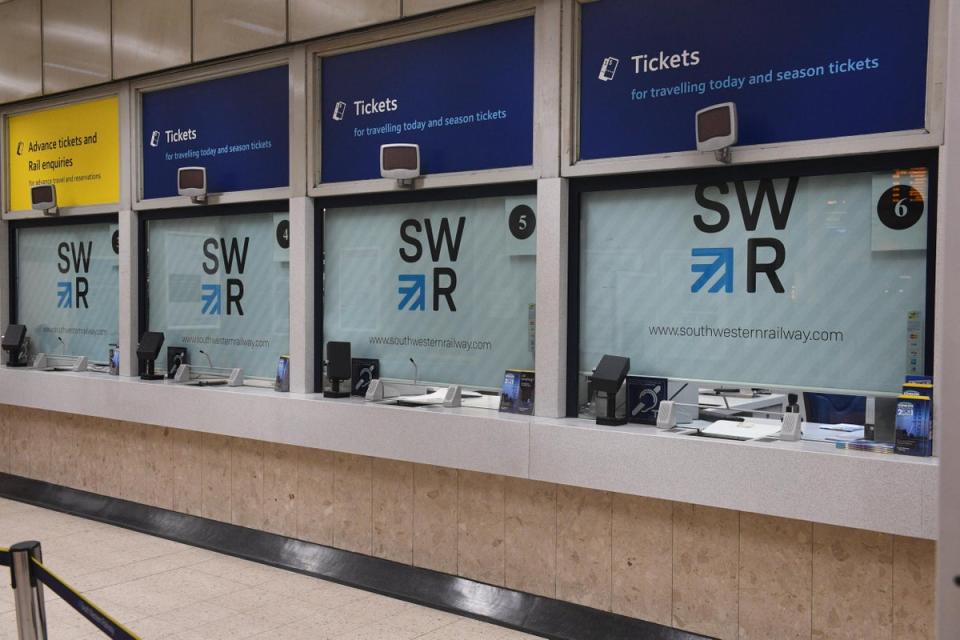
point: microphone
(63, 345)
(209, 361)
(416, 374)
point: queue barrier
(28, 574)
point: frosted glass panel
(221, 284)
(801, 281)
(68, 286)
(450, 284)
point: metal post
(28, 591)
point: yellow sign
(76, 148)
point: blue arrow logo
(417, 287)
(210, 295)
(64, 295)
(722, 264)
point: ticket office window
(217, 284)
(802, 276)
(66, 286)
(441, 290)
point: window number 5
(522, 222)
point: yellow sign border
(75, 146)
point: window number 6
(901, 209)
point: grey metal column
(28, 592)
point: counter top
(803, 480)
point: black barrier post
(28, 591)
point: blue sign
(796, 70)
(466, 98)
(237, 127)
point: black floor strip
(521, 611)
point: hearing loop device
(176, 356)
(363, 372)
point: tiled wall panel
(643, 558)
(435, 495)
(314, 18)
(225, 27)
(584, 546)
(481, 527)
(713, 571)
(21, 56)
(149, 35)
(706, 547)
(76, 44)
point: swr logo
(720, 269)
(413, 286)
(73, 292)
(218, 253)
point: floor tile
(163, 590)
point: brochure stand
(48, 362)
(208, 376)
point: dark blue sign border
(465, 97)
(873, 58)
(238, 127)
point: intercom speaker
(43, 197)
(400, 161)
(192, 182)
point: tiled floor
(163, 589)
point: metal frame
(946, 404)
(379, 199)
(292, 57)
(810, 167)
(415, 29)
(931, 136)
(119, 89)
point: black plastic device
(147, 352)
(14, 339)
(339, 369)
(607, 379)
(176, 356)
